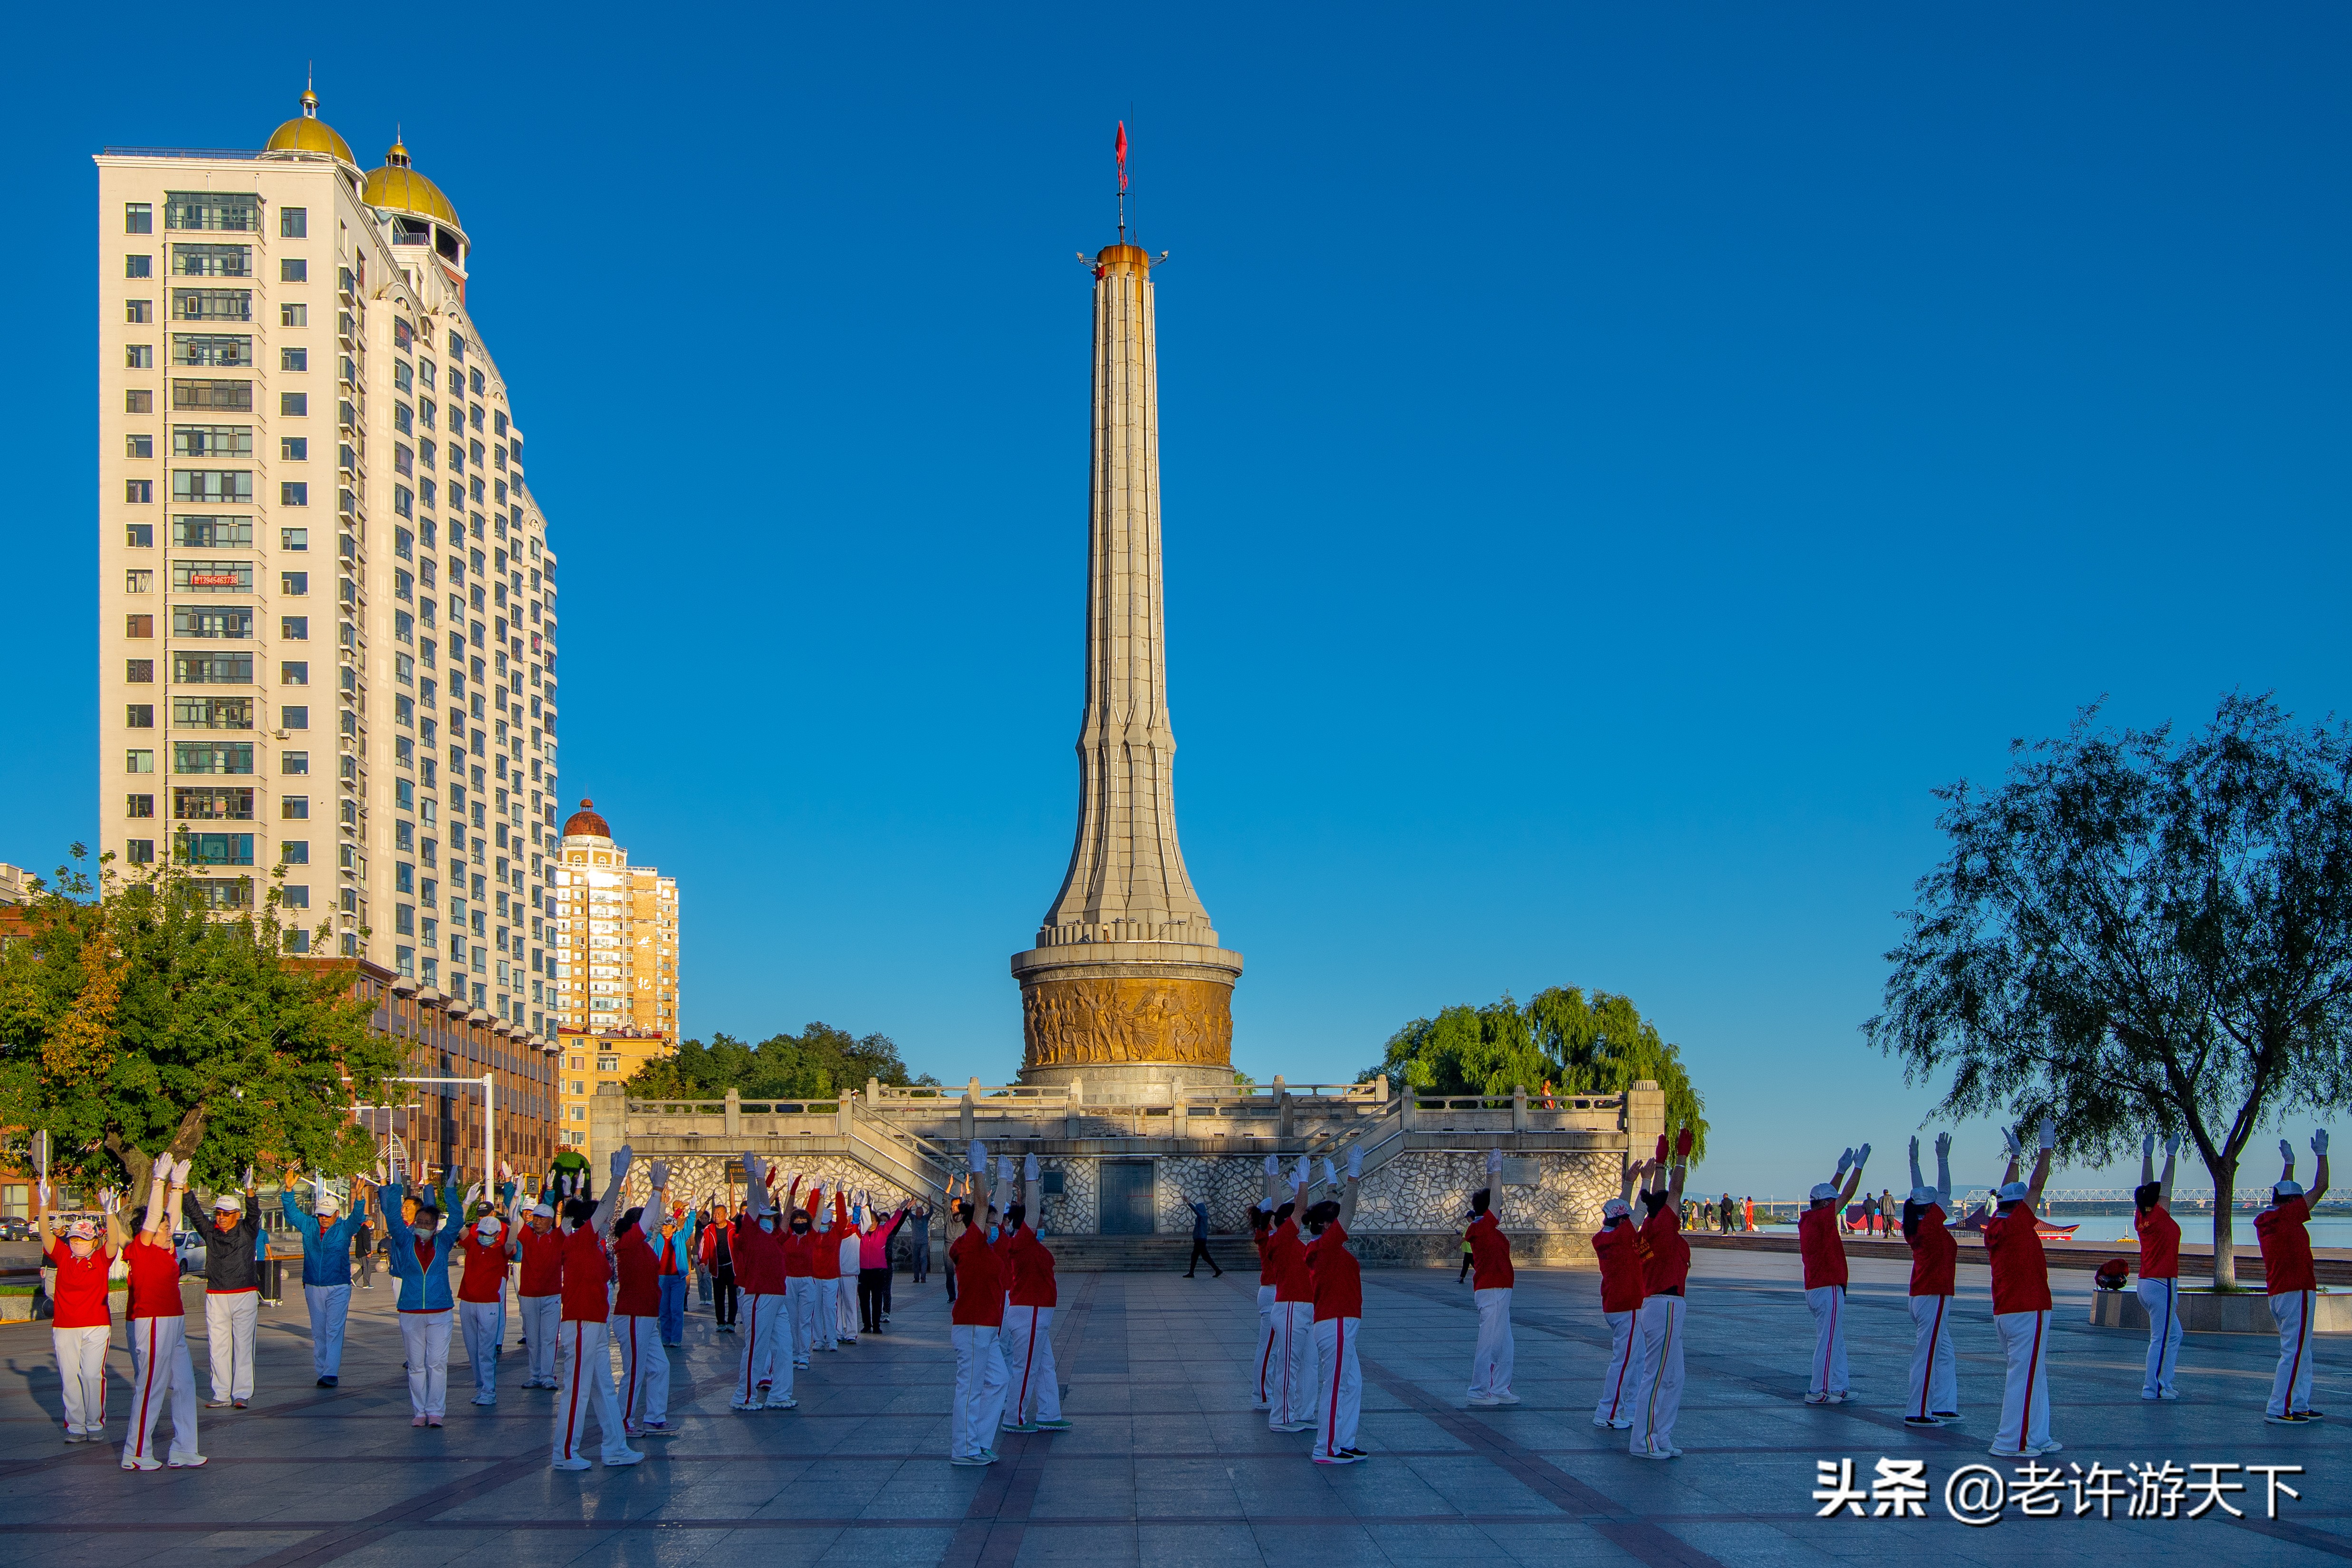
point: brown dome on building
(586, 824)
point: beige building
(591, 1060)
(615, 958)
(327, 632)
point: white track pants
(1339, 1392)
(1293, 1384)
(767, 1322)
(644, 1371)
(1828, 1373)
(845, 1308)
(979, 1389)
(2161, 1298)
(801, 1294)
(1658, 1380)
(2290, 1388)
(1490, 1364)
(542, 1319)
(230, 1320)
(1032, 1384)
(1618, 1385)
(161, 1375)
(1264, 1345)
(330, 1307)
(2025, 1396)
(1935, 1378)
(484, 1324)
(584, 1386)
(424, 1336)
(825, 1327)
(81, 1368)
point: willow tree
(1600, 1046)
(2134, 934)
(135, 1020)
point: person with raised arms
(976, 1322)
(231, 1233)
(2021, 1302)
(161, 1372)
(1339, 1286)
(1491, 1278)
(81, 1325)
(420, 1263)
(761, 1255)
(796, 1235)
(1262, 1237)
(1617, 1248)
(873, 1239)
(673, 1243)
(1934, 1380)
(636, 1308)
(583, 1361)
(1821, 1241)
(326, 1233)
(539, 1287)
(1666, 1270)
(2159, 1266)
(1035, 1401)
(485, 1247)
(2294, 1287)
(1294, 1382)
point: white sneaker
(786, 1403)
(143, 1464)
(626, 1456)
(1484, 1399)
(569, 1464)
(1506, 1399)
(194, 1461)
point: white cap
(329, 1204)
(1823, 1190)
(1616, 1209)
(230, 1202)
(543, 1210)
(2012, 1193)
(2288, 1189)
(486, 1226)
(1923, 1196)
(82, 1230)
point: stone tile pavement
(1168, 1467)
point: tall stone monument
(1127, 983)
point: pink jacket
(874, 1247)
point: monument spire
(1127, 968)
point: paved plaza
(1168, 1465)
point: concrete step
(1142, 1253)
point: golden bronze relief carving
(1082, 1022)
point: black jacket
(229, 1262)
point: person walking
(232, 1289)
(1338, 1318)
(484, 1249)
(1617, 1248)
(1665, 1269)
(2020, 1303)
(1823, 1249)
(420, 1262)
(584, 1357)
(1200, 1244)
(2289, 1276)
(326, 1232)
(2159, 1266)
(160, 1373)
(539, 1288)
(718, 1248)
(81, 1325)
(1935, 1378)
(674, 1249)
(638, 1306)
(1033, 1383)
(975, 1322)
(1490, 1286)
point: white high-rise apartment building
(327, 632)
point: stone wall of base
(1443, 1249)
(2208, 1313)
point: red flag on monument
(1122, 154)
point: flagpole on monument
(1122, 182)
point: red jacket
(587, 1270)
(543, 1262)
(1033, 1270)
(640, 1292)
(1490, 1254)
(980, 1284)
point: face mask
(800, 1227)
(991, 1233)
(767, 1221)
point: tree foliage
(1600, 1046)
(133, 1019)
(2134, 934)
(818, 1063)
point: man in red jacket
(636, 1307)
(485, 1248)
(2159, 1266)
(1934, 1380)
(1617, 1247)
(1490, 1286)
(539, 1293)
(1292, 1384)
(2020, 1303)
(975, 1324)
(1665, 1269)
(763, 1253)
(1035, 1399)
(583, 1365)
(1339, 1318)
(2294, 1285)
(716, 1253)
(1823, 1244)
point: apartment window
(299, 940)
(212, 669)
(403, 710)
(139, 806)
(211, 757)
(139, 716)
(225, 349)
(139, 356)
(404, 920)
(229, 396)
(212, 210)
(294, 672)
(293, 764)
(212, 532)
(294, 403)
(293, 539)
(211, 577)
(218, 848)
(212, 261)
(293, 359)
(141, 851)
(292, 223)
(295, 808)
(138, 217)
(296, 717)
(212, 712)
(138, 312)
(293, 270)
(294, 493)
(139, 493)
(138, 400)
(294, 583)
(139, 266)
(294, 628)
(138, 445)
(139, 761)
(211, 440)
(498, 423)
(402, 501)
(403, 836)
(294, 448)
(212, 305)
(474, 379)
(138, 580)
(212, 804)
(295, 897)
(217, 487)
(139, 671)
(196, 623)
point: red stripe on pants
(2302, 1333)
(571, 1416)
(147, 1393)
(1624, 1365)
(1028, 1358)
(1927, 1380)
(750, 1349)
(630, 1404)
(2032, 1359)
(1339, 1359)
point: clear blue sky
(1617, 463)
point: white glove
(2319, 1141)
(505, 1173)
(2049, 1133)
(1004, 1167)
(1943, 1145)
(2286, 1150)
(1861, 1157)
(1914, 1147)
(1029, 1169)
(249, 1178)
(661, 1176)
(1304, 1175)
(977, 1157)
(2009, 1136)
(472, 1192)
(1330, 1177)
(44, 1188)
(1493, 1163)
(164, 1166)
(1845, 1163)
(109, 1200)
(2172, 1146)
(1356, 1160)
(622, 1159)
(2147, 1145)
(1273, 1165)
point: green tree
(135, 1020)
(818, 1063)
(2136, 935)
(1601, 1046)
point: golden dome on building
(306, 132)
(397, 187)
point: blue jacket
(326, 1250)
(423, 1287)
(682, 1244)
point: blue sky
(1616, 464)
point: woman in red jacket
(1339, 1320)
(1665, 1271)
(1617, 1247)
(1490, 1286)
(82, 1326)
(1034, 1403)
(975, 1322)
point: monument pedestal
(1127, 1013)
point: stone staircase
(1145, 1254)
